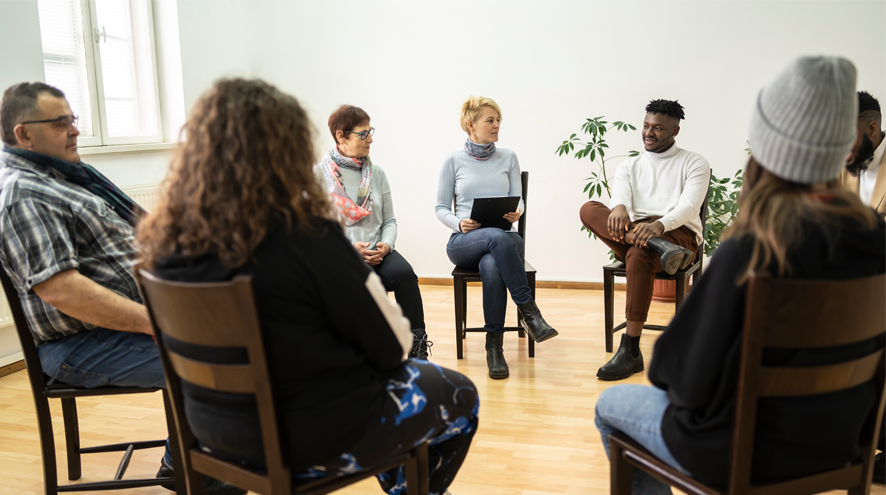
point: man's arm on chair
(81, 298)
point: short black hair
(867, 103)
(667, 107)
(17, 103)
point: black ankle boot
(495, 356)
(420, 344)
(535, 324)
(211, 486)
(623, 364)
(673, 257)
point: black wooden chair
(777, 315)
(618, 269)
(44, 389)
(223, 314)
(461, 276)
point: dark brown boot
(535, 324)
(623, 364)
(495, 356)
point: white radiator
(144, 195)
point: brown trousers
(641, 263)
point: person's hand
(647, 230)
(513, 216)
(381, 250)
(468, 225)
(362, 251)
(618, 223)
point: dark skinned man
(653, 224)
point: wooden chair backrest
(23, 330)
(218, 314)
(806, 314)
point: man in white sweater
(653, 224)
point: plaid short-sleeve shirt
(49, 225)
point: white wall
(549, 64)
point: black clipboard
(490, 211)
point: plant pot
(664, 291)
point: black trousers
(397, 275)
(424, 402)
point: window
(101, 54)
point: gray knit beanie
(804, 121)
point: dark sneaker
(211, 485)
(421, 347)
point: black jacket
(325, 339)
(696, 361)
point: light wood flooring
(536, 433)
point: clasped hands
(372, 257)
(468, 225)
(620, 226)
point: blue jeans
(637, 411)
(499, 255)
(93, 358)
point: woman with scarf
(361, 194)
(482, 170)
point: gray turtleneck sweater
(466, 178)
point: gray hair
(18, 103)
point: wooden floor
(536, 433)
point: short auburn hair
(345, 118)
(470, 110)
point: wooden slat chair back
(44, 389)
(618, 269)
(223, 314)
(461, 276)
(795, 314)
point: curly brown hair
(247, 157)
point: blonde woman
(479, 170)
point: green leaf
(633, 153)
(601, 152)
(599, 191)
(632, 127)
(588, 186)
(572, 136)
(593, 155)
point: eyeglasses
(60, 123)
(365, 134)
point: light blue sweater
(467, 178)
(378, 226)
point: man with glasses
(67, 244)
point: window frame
(95, 84)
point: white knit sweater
(671, 184)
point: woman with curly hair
(242, 199)
(481, 170)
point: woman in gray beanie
(794, 221)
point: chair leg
(424, 472)
(531, 279)
(620, 471)
(72, 437)
(47, 444)
(608, 306)
(681, 291)
(458, 291)
(181, 485)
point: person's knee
(591, 208)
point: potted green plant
(595, 150)
(722, 208)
